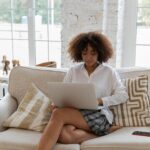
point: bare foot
(114, 128)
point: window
(136, 33)
(30, 31)
(48, 28)
(143, 34)
(13, 33)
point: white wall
(113, 17)
(88, 15)
(79, 16)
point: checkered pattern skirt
(96, 121)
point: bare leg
(71, 135)
(114, 128)
(59, 118)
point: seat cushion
(19, 139)
(121, 139)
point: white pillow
(33, 113)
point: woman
(69, 125)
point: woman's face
(89, 56)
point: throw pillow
(33, 113)
(134, 112)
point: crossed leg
(71, 135)
(59, 118)
(57, 129)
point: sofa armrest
(7, 106)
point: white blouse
(107, 84)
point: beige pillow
(33, 113)
(134, 112)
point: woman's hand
(100, 102)
(52, 106)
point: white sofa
(18, 139)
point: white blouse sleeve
(68, 76)
(119, 93)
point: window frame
(31, 32)
(129, 33)
(31, 25)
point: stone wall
(89, 15)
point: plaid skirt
(96, 121)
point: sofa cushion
(33, 113)
(134, 112)
(132, 72)
(21, 77)
(121, 139)
(40, 76)
(19, 139)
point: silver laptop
(77, 95)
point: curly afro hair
(96, 40)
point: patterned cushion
(134, 112)
(33, 113)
